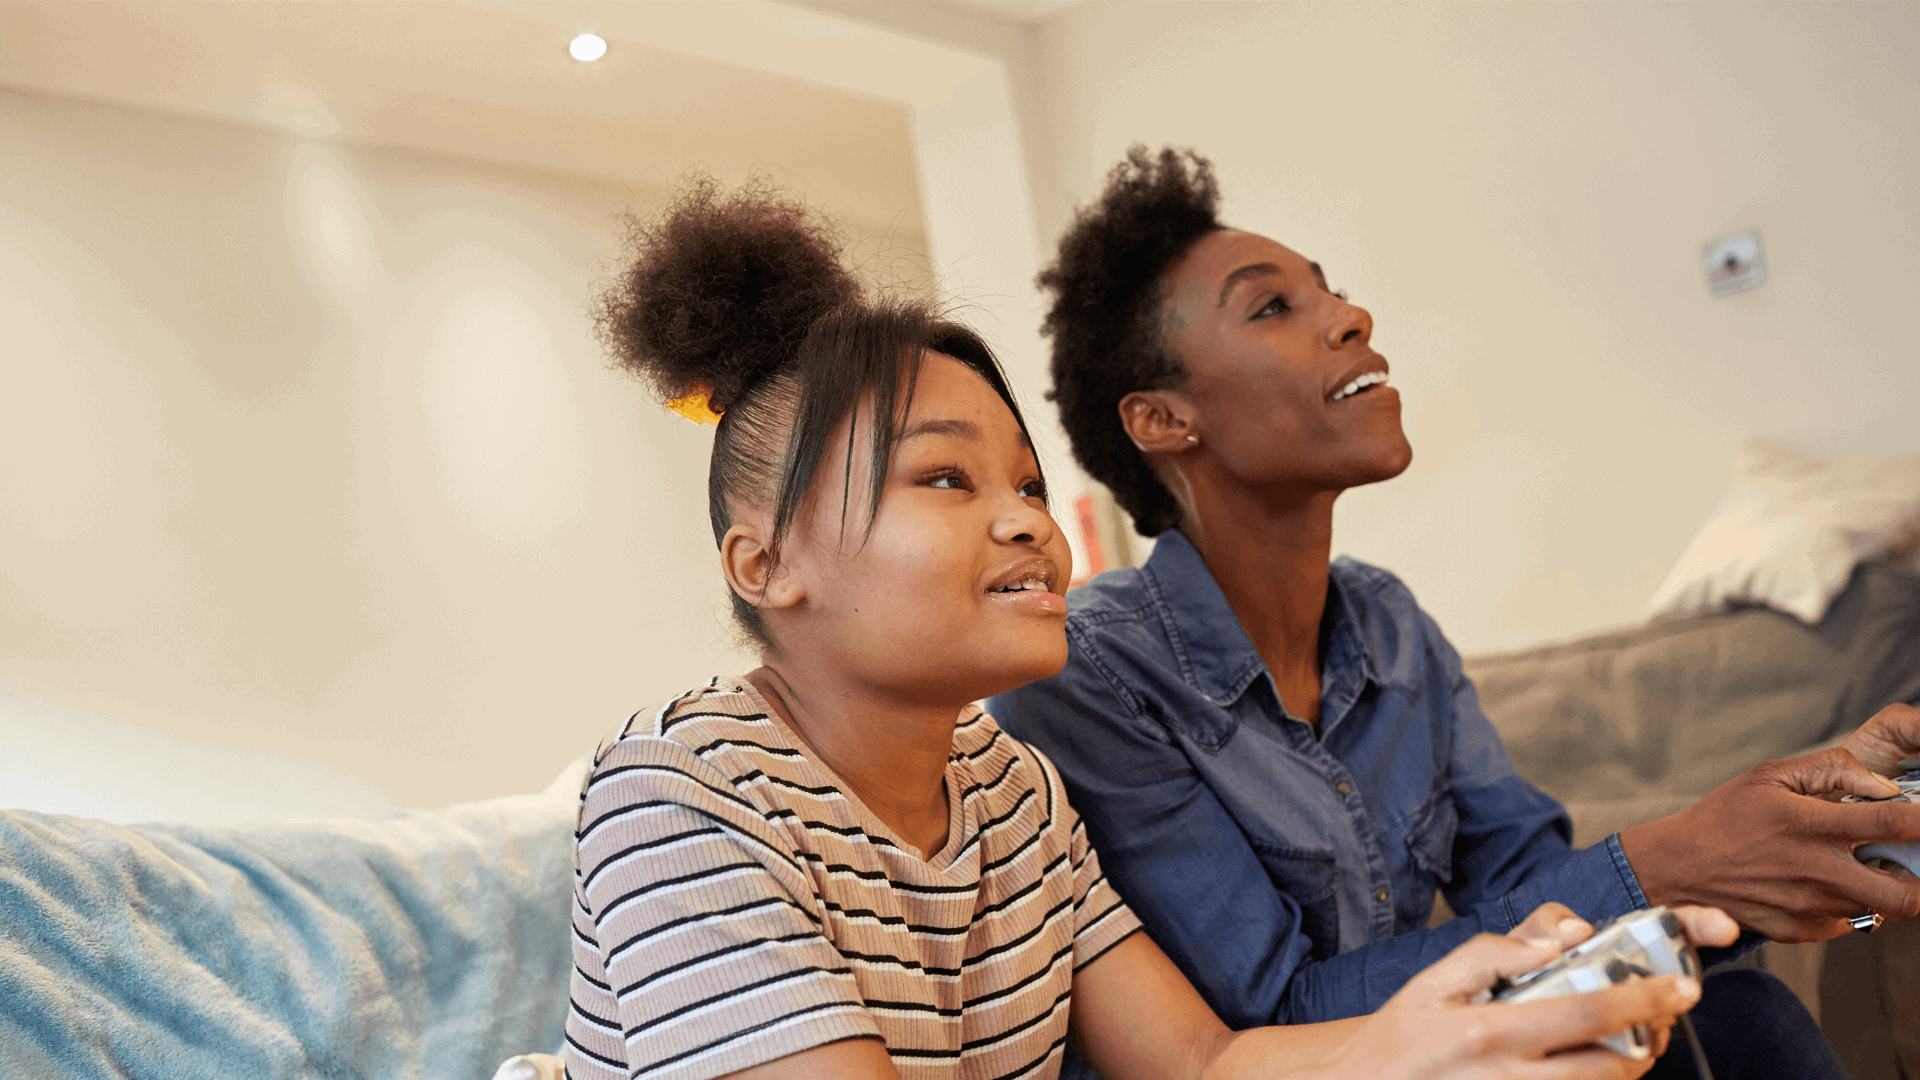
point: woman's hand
(1432, 1028)
(1888, 737)
(1767, 848)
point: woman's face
(1273, 356)
(956, 593)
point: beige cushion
(1790, 530)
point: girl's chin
(1006, 672)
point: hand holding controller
(1649, 942)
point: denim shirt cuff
(1625, 869)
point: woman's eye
(954, 480)
(1034, 489)
(1275, 306)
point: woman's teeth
(1024, 586)
(1371, 378)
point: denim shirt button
(1343, 788)
(1380, 895)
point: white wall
(318, 496)
(1519, 192)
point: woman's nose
(1354, 324)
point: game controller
(1895, 855)
(1633, 946)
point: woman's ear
(752, 571)
(1158, 422)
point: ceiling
(1024, 11)
(827, 104)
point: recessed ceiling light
(588, 47)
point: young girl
(835, 865)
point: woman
(835, 866)
(1280, 758)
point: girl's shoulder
(711, 734)
(720, 713)
(1008, 771)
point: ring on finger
(1867, 922)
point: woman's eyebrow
(1248, 271)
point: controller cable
(1700, 1066)
(1699, 1052)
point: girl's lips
(1035, 601)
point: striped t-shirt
(733, 905)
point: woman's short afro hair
(1105, 320)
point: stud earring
(1195, 439)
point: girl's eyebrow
(957, 429)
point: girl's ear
(752, 571)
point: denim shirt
(1289, 875)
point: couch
(1630, 725)
(434, 944)
(425, 946)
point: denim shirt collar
(1214, 653)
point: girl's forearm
(1270, 1052)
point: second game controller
(1895, 855)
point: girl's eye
(1275, 306)
(952, 479)
(1034, 489)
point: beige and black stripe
(733, 905)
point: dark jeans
(1752, 1027)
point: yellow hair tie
(695, 406)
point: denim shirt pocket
(1430, 833)
(1309, 878)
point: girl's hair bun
(720, 289)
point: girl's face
(1272, 356)
(956, 593)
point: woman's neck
(892, 755)
(1269, 554)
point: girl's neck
(1269, 554)
(893, 755)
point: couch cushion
(429, 944)
(1675, 708)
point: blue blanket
(425, 945)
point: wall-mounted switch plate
(1735, 264)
